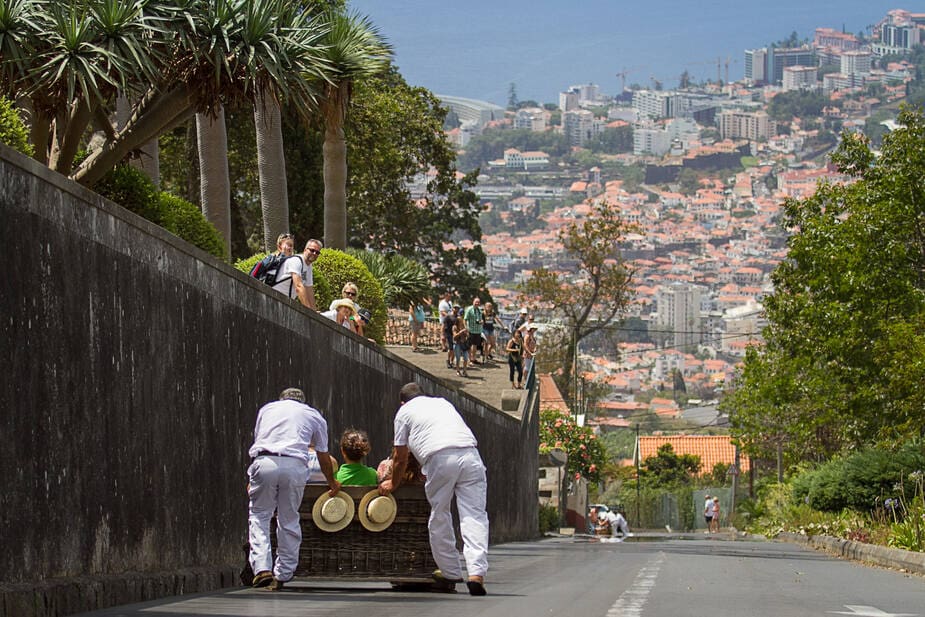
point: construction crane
(622, 75)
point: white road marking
(869, 611)
(631, 601)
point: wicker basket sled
(399, 554)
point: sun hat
(377, 511)
(523, 311)
(343, 302)
(333, 513)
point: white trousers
(459, 472)
(276, 484)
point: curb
(910, 561)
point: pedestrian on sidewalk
(514, 350)
(283, 433)
(432, 430)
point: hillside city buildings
(702, 257)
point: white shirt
(289, 428)
(616, 521)
(293, 265)
(445, 309)
(428, 424)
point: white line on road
(631, 601)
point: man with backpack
(295, 275)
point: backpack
(266, 269)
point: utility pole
(638, 456)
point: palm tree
(214, 184)
(354, 49)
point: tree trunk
(335, 180)
(155, 113)
(271, 165)
(215, 185)
(148, 160)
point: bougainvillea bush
(585, 452)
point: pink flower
(592, 468)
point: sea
(479, 48)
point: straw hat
(332, 513)
(336, 304)
(377, 511)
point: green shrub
(337, 268)
(403, 280)
(13, 131)
(549, 518)
(133, 190)
(187, 221)
(860, 480)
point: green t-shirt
(473, 319)
(356, 474)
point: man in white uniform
(296, 278)
(617, 523)
(432, 430)
(282, 435)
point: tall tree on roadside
(397, 141)
(845, 320)
(588, 300)
(353, 49)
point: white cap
(523, 311)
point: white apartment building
(756, 66)
(514, 159)
(651, 140)
(569, 100)
(800, 78)
(656, 104)
(742, 324)
(531, 119)
(750, 125)
(855, 62)
(840, 81)
(678, 311)
(580, 126)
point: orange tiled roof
(550, 396)
(711, 449)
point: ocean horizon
(478, 49)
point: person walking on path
(530, 347)
(708, 513)
(474, 320)
(716, 513)
(449, 326)
(489, 319)
(282, 435)
(445, 307)
(432, 430)
(514, 350)
(416, 317)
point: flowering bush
(586, 455)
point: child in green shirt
(354, 445)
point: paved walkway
(485, 382)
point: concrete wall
(131, 368)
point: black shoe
(476, 588)
(262, 579)
(438, 577)
(276, 585)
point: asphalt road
(566, 577)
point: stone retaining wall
(131, 368)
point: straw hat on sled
(333, 513)
(377, 512)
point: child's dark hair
(355, 444)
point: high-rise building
(800, 78)
(781, 57)
(569, 100)
(751, 125)
(530, 118)
(580, 126)
(756, 65)
(855, 62)
(656, 104)
(678, 311)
